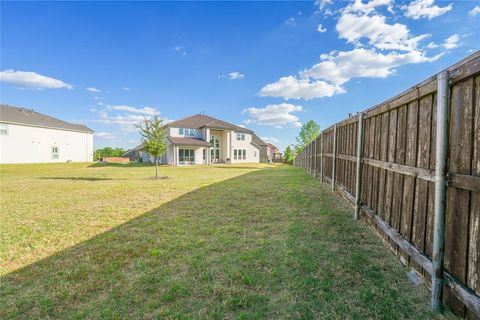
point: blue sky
(270, 66)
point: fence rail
(391, 149)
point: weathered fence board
(397, 177)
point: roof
(201, 120)
(259, 142)
(189, 142)
(28, 117)
(272, 146)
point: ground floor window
(54, 152)
(186, 155)
(239, 154)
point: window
(54, 152)
(3, 129)
(239, 154)
(186, 155)
(240, 136)
(254, 153)
(187, 131)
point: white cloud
(338, 68)
(354, 27)
(145, 110)
(235, 75)
(451, 42)
(321, 29)
(98, 98)
(293, 88)
(274, 115)
(28, 79)
(474, 11)
(424, 9)
(321, 4)
(101, 103)
(380, 47)
(270, 139)
(93, 90)
(104, 135)
(125, 88)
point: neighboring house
(201, 139)
(274, 153)
(263, 149)
(27, 136)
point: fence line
(383, 160)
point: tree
(152, 132)
(308, 132)
(108, 152)
(288, 155)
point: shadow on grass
(233, 249)
(122, 165)
(78, 178)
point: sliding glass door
(186, 156)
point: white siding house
(27, 136)
(201, 139)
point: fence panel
(398, 177)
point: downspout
(440, 190)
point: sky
(268, 66)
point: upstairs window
(54, 152)
(3, 129)
(240, 136)
(191, 132)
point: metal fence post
(321, 156)
(334, 158)
(358, 181)
(440, 190)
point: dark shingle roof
(201, 120)
(189, 142)
(259, 142)
(22, 116)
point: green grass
(236, 242)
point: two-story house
(201, 139)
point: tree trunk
(156, 167)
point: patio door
(215, 150)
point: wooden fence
(397, 144)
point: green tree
(108, 152)
(152, 132)
(288, 155)
(308, 132)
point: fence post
(440, 188)
(321, 156)
(358, 181)
(315, 158)
(334, 157)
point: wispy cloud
(29, 79)
(474, 11)
(321, 28)
(104, 135)
(148, 111)
(270, 139)
(235, 75)
(125, 88)
(180, 50)
(93, 90)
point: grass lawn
(253, 241)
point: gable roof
(28, 117)
(201, 121)
(259, 142)
(189, 141)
